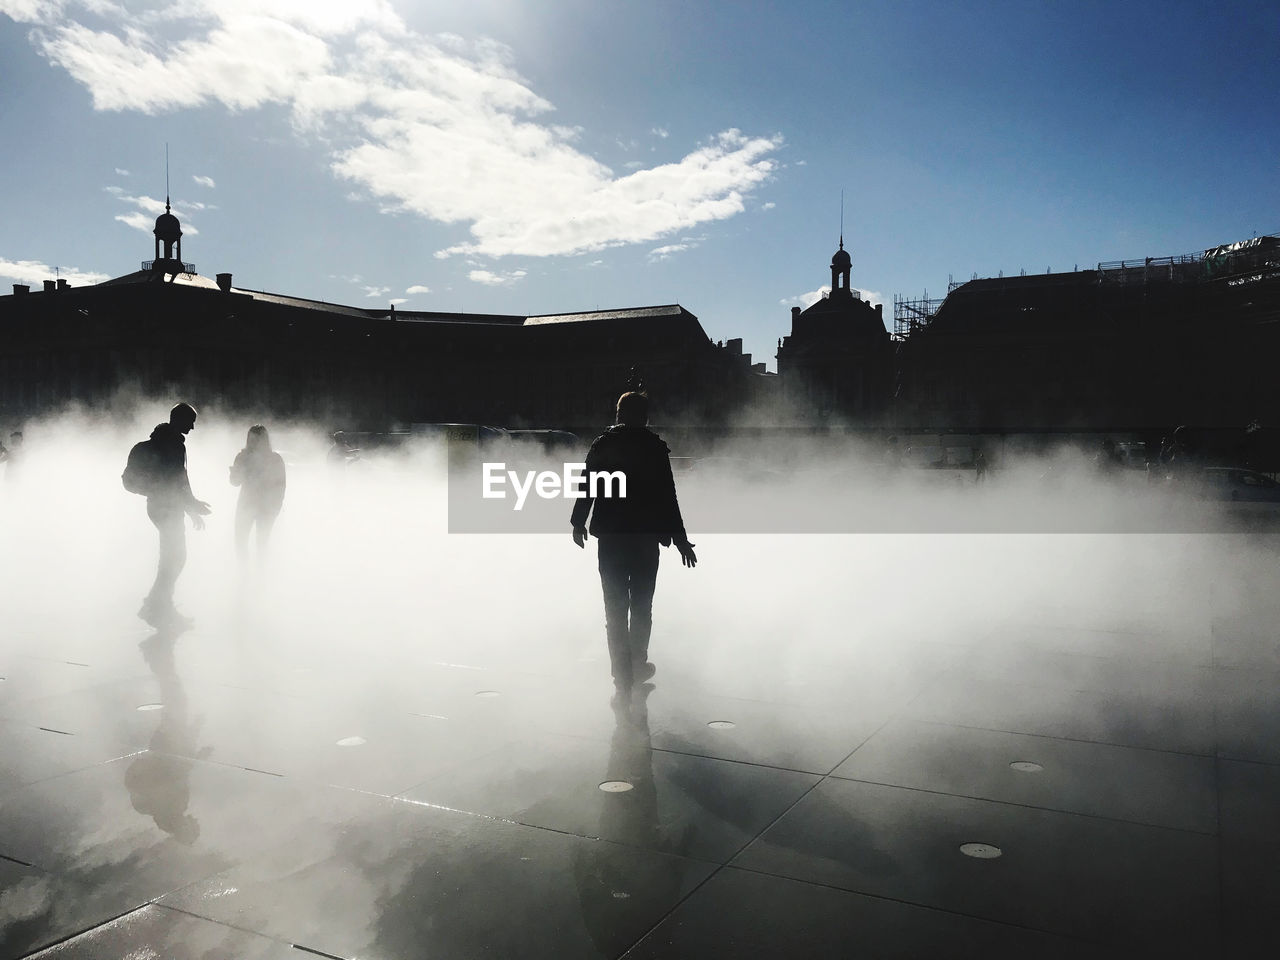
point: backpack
(141, 469)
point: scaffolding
(912, 316)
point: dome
(167, 226)
(842, 258)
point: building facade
(166, 331)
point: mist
(373, 650)
(361, 564)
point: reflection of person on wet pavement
(259, 473)
(605, 874)
(159, 780)
(629, 530)
(169, 502)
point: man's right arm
(582, 507)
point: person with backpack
(157, 469)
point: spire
(841, 216)
(841, 262)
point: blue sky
(515, 157)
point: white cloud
(491, 279)
(806, 300)
(376, 291)
(204, 181)
(670, 249)
(148, 208)
(396, 301)
(31, 11)
(435, 126)
(34, 273)
(122, 173)
(660, 132)
(768, 206)
(665, 252)
(418, 288)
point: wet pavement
(276, 782)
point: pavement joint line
(1259, 763)
(1025, 806)
(318, 953)
(200, 916)
(80, 933)
(1049, 736)
(765, 829)
(914, 903)
(65, 733)
(556, 830)
(745, 763)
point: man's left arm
(674, 521)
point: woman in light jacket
(259, 473)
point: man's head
(183, 417)
(633, 409)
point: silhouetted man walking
(158, 468)
(629, 530)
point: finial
(841, 217)
(166, 178)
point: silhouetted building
(165, 329)
(1134, 346)
(837, 363)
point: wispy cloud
(660, 132)
(396, 301)
(418, 288)
(491, 279)
(666, 252)
(432, 125)
(378, 292)
(669, 250)
(34, 273)
(121, 173)
(204, 181)
(768, 206)
(146, 209)
(805, 300)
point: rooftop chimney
(50, 286)
(795, 312)
(62, 283)
(20, 288)
(224, 282)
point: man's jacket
(650, 506)
(170, 485)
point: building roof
(630, 313)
